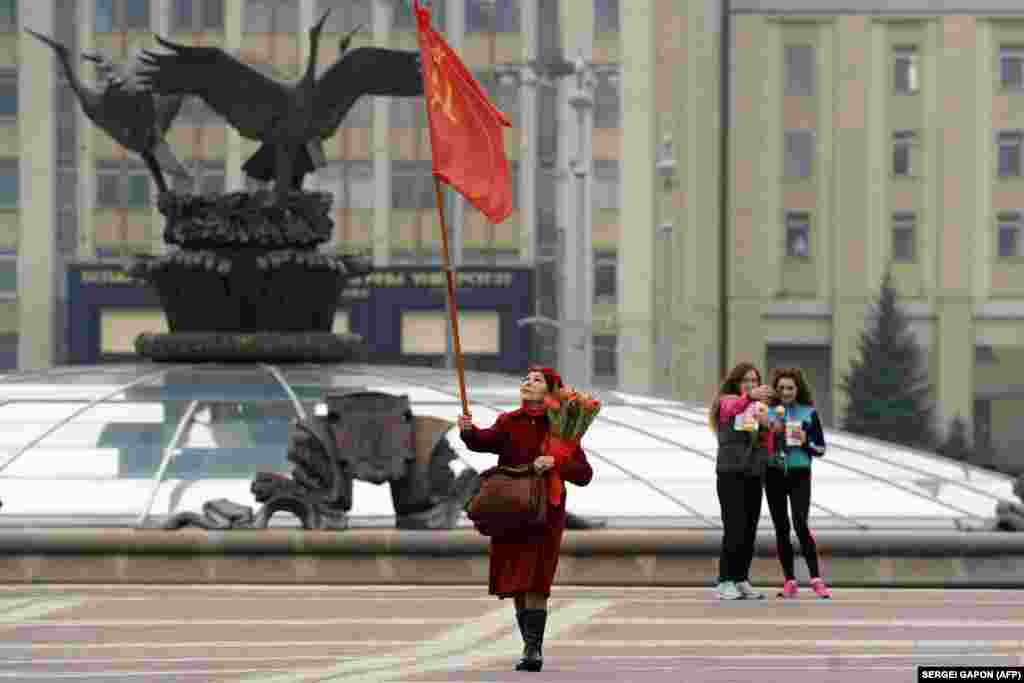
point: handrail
(170, 452)
(288, 390)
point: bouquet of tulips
(570, 413)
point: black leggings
(795, 486)
(739, 497)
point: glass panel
(606, 16)
(242, 385)
(654, 465)
(864, 500)
(8, 95)
(181, 15)
(104, 16)
(8, 184)
(625, 499)
(213, 14)
(136, 14)
(799, 69)
(8, 15)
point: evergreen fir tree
(888, 389)
(957, 447)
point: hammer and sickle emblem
(441, 88)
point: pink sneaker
(820, 589)
(789, 589)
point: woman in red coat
(523, 567)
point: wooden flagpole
(452, 308)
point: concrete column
(636, 254)
(382, 13)
(234, 179)
(455, 211)
(577, 22)
(86, 162)
(984, 144)
(307, 17)
(37, 256)
(528, 141)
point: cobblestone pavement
(292, 634)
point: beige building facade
(862, 136)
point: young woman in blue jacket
(798, 439)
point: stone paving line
(288, 634)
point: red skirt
(527, 564)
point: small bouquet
(747, 421)
(570, 413)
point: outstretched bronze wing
(364, 71)
(250, 101)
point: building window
(402, 18)
(271, 16)
(606, 277)
(906, 76)
(124, 186)
(351, 183)
(799, 153)
(1009, 153)
(499, 16)
(208, 177)
(8, 183)
(1010, 233)
(606, 356)
(122, 15)
(412, 185)
(8, 94)
(606, 184)
(503, 89)
(798, 234)
(346, 14)
(8, 15)
(799, 69)
(1011, 67)
(904, 143)
(904, 240)
(197, 15)
(607, 99)
(606, 16)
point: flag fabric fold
(467, 139)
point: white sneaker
(727, 590)
(747, 591)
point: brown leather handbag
(511, 500)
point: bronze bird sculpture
(290, 119)
(133, 117)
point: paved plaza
(290, 634)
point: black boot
(534, 622)
(522, 630)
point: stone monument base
(257, 347)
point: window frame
(788, 137)
(606, 260)
(605, 179)
(791, 85)
(9, 166)
(10, 26)
(904, 223)
(9, 77)
(277, 8)
(907, 141)
(908, 56)
(501, 23)
(1013, 136)
(1010, 221)
(119, 16)
(1007, 53)
(124, 174)
(793, 221)
(607, 17)
(197, 19)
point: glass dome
(126, 444)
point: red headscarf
(553, 379)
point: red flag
(466, 137)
